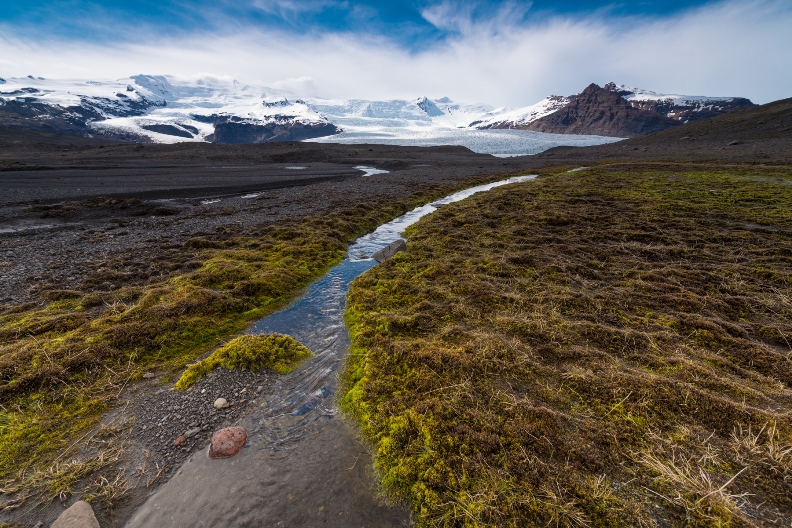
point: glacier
(165, 109)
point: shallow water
(302, 466)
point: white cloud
(283, 7)
(466, 18)
(301, 85)
(725, 48)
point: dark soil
(119, 215)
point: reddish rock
(227, 442)
(179, 441)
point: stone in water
(227, 442)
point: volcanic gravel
(163, 415)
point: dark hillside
(761, 134)
(602, 112)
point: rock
(220, 403)
(736, 142)
(179, 441)
(227, 442)
(148, 375)
(79, 515)
(192, 432)
(259, 388)
(385, 253)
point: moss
(280, 353)
(595, 348)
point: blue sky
(500, 52)
(400, 20)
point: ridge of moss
(277, 352)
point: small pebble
(192, 432)
(220, 403)
(179, 441)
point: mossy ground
(609, 347)
(277, 352)
(64, 362)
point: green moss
(280, 353)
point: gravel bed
(163, 415)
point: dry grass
(633, 324)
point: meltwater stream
(302, 466)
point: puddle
(249, 196)
(302, 465)
(370, 171)
(19, 229)
(578, 169)
(296, 168)
(208, 202)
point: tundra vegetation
(607, 347)
(65, 361)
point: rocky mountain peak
(601, 112)
(428, 106)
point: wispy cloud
(288, 8)
(722, 48)
(469, 18)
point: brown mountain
(756, 134)
(685, 109)
(604, 113)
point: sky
(498, 52)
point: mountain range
(162, 109)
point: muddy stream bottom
(302, 465)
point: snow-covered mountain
(681, 108)
(522, 116)
(684, 108)
(162, 109)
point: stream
(302, 465)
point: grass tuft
(277, 352)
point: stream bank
(302, 464)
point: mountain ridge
(161, 109)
